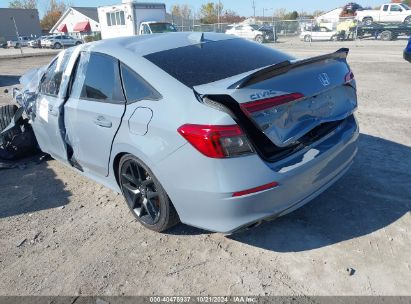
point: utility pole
(218, 14)
(254, 8)
(17, 34)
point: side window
(50, 83)
(108, 16)
(122, 19)
(395, 8)
(97, 78)
(53, 77)
(146, 30)
(385, 8)
(135, 87)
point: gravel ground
(62, 234)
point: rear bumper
(407, 56)
(201, 188)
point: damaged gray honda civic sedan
(211, 130)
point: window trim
(155, 95)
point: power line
(254, 7)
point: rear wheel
(145, 196)
(78, 43)
(307, 38)
(367, 20)
(259, 39)
(386, 36)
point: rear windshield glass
(211, 61)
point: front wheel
(407, 20)
(146, 198)
(259, 39)
(386, 36)
(78, 43)
(57, 46)
(307, 38)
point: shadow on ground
(9, 80)
(30, 189)
(374, 193)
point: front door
(48, 121)
(94, 111)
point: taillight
(264, 104)
(349, 77)
(217, 141)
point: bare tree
(54, 11)
(25, 4)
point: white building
(78, 22)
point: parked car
(36, 43)
(252, 32)
(319, 33)
(220, 142)
(407, 51)
(3, 43)
(390, 12)
(60, 41)
(20, 42)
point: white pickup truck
(390, 12)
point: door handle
(103, 122)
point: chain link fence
(310, 30)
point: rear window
(211, 61)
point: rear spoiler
(284, 67)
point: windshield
(406, 7)
(255, 26)
(162, 28)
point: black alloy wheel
(145, 196)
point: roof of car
(148, 44)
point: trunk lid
(288, 100)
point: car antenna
(196, 37)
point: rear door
(94, 111)
(48, 119)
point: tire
(57, 46)
(386, 36)
(367, 20)
(6, 115)
(407, 20)
(17, 46)
(307, 38)
(78, 43)
(334, 38)
(138, 184)
(259, 39)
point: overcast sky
(242, 7)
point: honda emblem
(324, 79)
